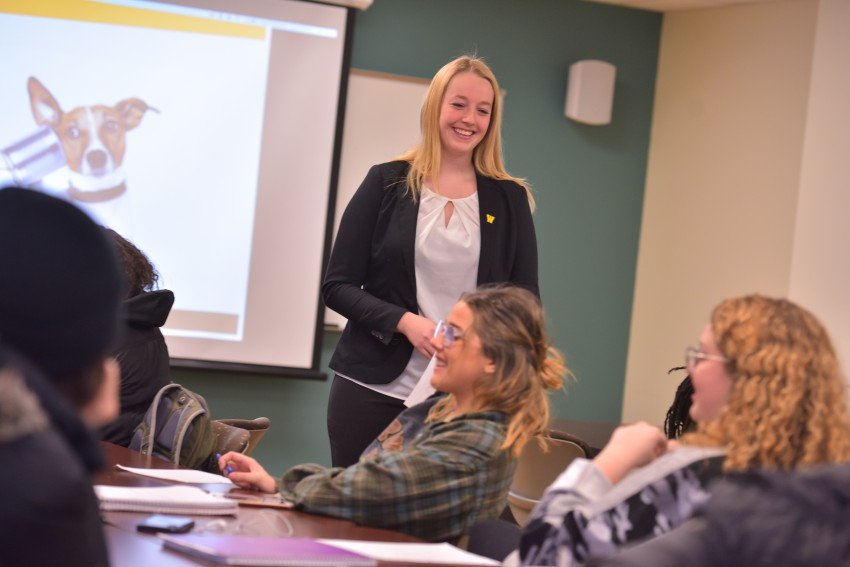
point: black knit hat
(60, 286)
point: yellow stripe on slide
(97, 12)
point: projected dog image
(93, 139)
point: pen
(228, 469)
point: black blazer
(370, 277)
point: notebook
(267, 551)
(179, 499)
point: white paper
(431, 553)
(180, 475)
(423, 389)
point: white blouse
(446, 261)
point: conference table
(129, 548)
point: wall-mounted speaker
(590, 92)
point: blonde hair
(424, 158)
(787, 406)
(510, 324)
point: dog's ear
(45, 109)
(132, 109)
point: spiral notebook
(266, 551)
(179, 499)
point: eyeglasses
(692, 355)
(450, 334)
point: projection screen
(205, 132)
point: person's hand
(246, 472)
(630, 447)
(419, 331)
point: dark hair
(678, 420)
(60, 291)
(139, 273)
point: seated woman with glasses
(436, 477)
(767, 394)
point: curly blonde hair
(509, 322)
(787, 405)
(424, 158)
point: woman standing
(418, 233)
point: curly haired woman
(768, 394)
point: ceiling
(670, 5)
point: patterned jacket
(430, 480)
(583, 514)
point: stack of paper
(187, 500)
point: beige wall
(723, 179)
(820, 267)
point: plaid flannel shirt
(435, 485)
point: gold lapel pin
(490, 219)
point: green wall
(588, 180)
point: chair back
(256, 429)
(229, 438)
(537, 469)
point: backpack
(177, 428)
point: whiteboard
(381, 122)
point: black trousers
(356, 416)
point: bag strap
(182, 433)
(155, 407)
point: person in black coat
(142, 353)
(420, 231)
(59, 296)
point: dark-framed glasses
(450, 334)
(692, 355)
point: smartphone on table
(165, 524)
